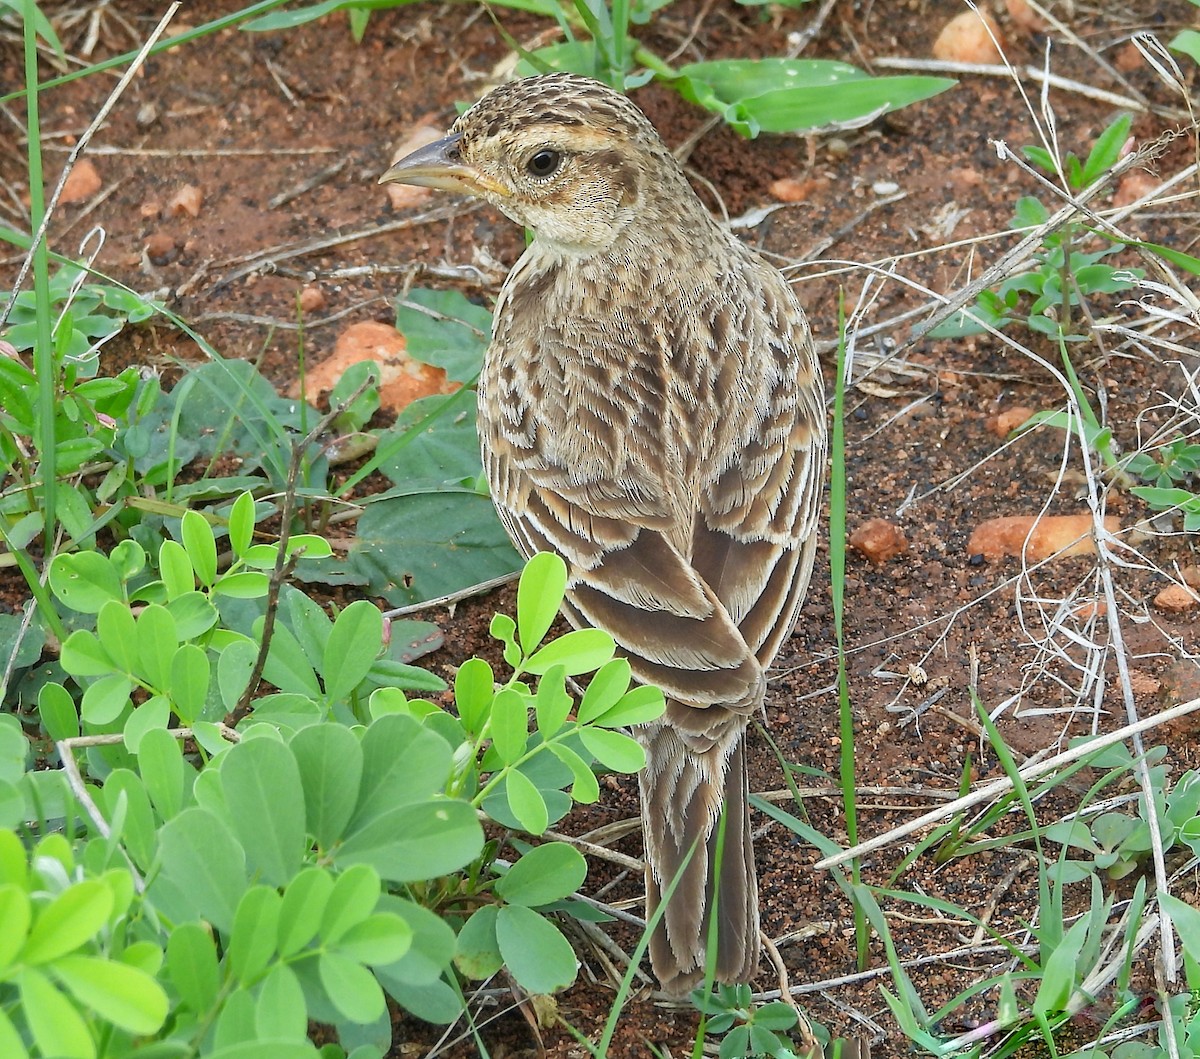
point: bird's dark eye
(544, 163)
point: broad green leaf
(577, 652)
(443, 328)
(416, 842)
(793, 95)
(413, 548)
(202, 857)
(105, 699)
(552, 703)
(539, 594)
(158, 640)
(534, 950)
(584, 787)
(353, 645)
(200, 546)
(58, 1028)
(118, 994)
(246, 584)
(69, 921)
(614, 750)
(1106, 151)
(546, 873)
(382, 938)
(116, 629)
(288, 668)
(1059, 973)
(194, 615)
(84, 656)
(303, 907)
(526, 802)
(478, 952)
(160, 759)
(1187, 41)
(432, 444)
(330, 759)
(234, 666)
(636, 706)
(402, 762)
(190, 674)
(85, 581)
(16, 914)
(280, 1012)
(510, 725)
(241, 524)
(604, 690)
(57, 712)
(355, 895)
(351, 988)
(432, 943)
(175, 569)
(255, 931)
(192, 966)
(11, 1045)
(474, 688)
(266, 805)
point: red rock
(404, 196)
(792, 189)
(1058, 535)
(879, 540)
(965, 39)
(1004, 423)
(82, 182)
(1024, 17)
(1134, 186)
(1175, 599)
(150, 210)
(161, 248)
(312, 300)
(402, 379)
(186, 201)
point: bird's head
(564, 155)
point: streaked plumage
(650, 409)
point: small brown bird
(651, 409)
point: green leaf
(614, 750)
(11, 1045)
(85, 581)
(160, 760)
(189, 681)
(451, 333)
(1059, 972)
(204, 860)
(241, 524)
(474, 688)
(118, 994)
(577, 652)
(552, 704)
(510, 725)
(539, 595)
(352, 647)
(304, 903)
(175, 569)
(255, 930)
(16, 914)
(104, 700)
(266, 805)
(604, 690)
(526, 802)
(1106, 151)
(403, 762)
(1187, 41)
(355, 895)
(200, 546)
(382, 938)
(351, 988)
(330, 758)
(584, 786)
(280, 1011)
(478, 951)
(406, 554)
(636, 706)
(116, 630)
(534, 950)
(57, 1027)
(792, 95)
(69, 921)
(192, 966)
(416, 842)
(248, 584)
(546, 873)
(432, 444)
(56, 711)
(158, 640)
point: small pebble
(1174, 599)
(161, 248)
(965, 39)
(1037, 538)
(1004, 423)
(312, 300)
(186, 201)
(82, 182)
(147, 115)
(879, 540)
(885, 187)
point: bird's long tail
(683, 788)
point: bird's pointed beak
(440, 165)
